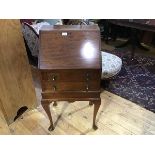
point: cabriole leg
(46, 107)
(97, 104)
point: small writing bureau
(70, 65)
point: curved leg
(90, 103)
(48, 112)
(55, 103)
(97, 104)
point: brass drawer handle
(87, 87)
(87, 77)
(54, 88)
(53, 77)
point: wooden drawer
(70, 86)
(71, 75)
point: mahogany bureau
(70, 65)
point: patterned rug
(136, 80)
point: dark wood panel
(71, 75)
(67, 95)
(70, 65)
(76, 50)
(70, 86)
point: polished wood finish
(46, 107)
(62, 75)
(16, 86)
(71, 95)
(70, 65)
(97, 104)
(78, 50)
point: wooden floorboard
(4, 129)
(117, 116)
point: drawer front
(70, 86)
(71, 76)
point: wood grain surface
(117, 116)
(70, 65)
(77, 49)
(16, 86)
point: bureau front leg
(46, 107)
(97, 104)
(55, 103)
(90, 103)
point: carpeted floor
(136, 80)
